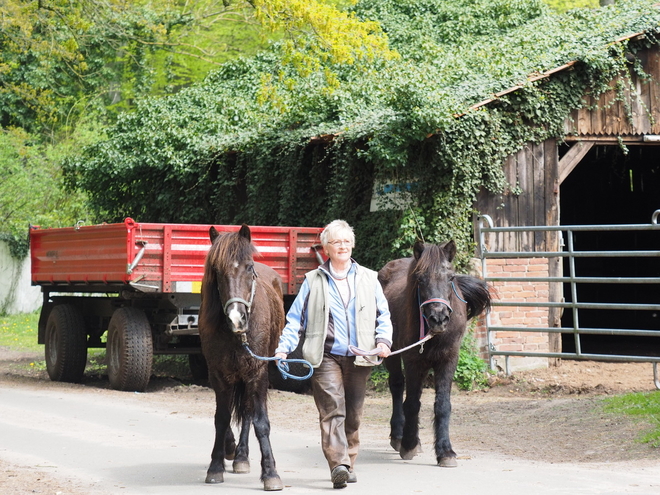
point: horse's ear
(450, 250)
(418, 249)
(213, 234)
(245, 232)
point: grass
(643, 405)
(19, 332)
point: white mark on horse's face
(235, 265)
(236, 317)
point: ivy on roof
(259, 143)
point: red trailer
(140, 283)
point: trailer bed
(156, 257)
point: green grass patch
(19, 332)
(643, 405)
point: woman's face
(339, 249)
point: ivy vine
(259, 143)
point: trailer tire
(66, 344)
(130, 350)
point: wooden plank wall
(532, 198)
(608, 115)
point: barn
(572, 246)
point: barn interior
(614, 185)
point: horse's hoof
(215, 478)
(407, 455)
(395, 443)
(241, 467)
(448, 462)
(273, 484)
(229, 457)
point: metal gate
(575, 305)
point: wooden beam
(574, 155)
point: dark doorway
(614, 186)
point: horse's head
(433, 275)
(232, 261)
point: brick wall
(517, 316)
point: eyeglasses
(338, 242)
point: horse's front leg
(241, 463)
(396, 382)
(410, 444)
(215, 473)
(269, 476)
(444, 375)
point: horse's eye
(250, 268)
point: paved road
(132, 447)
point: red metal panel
(86, 254)
(172, 253)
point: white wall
(17, 295)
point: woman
(339, 304)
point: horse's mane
(431, 260)
(227, 249)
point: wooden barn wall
(532, 198)
(637, 113)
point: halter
(248, 304)
(422, 317)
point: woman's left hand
(384, 350)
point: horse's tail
(476, 292)
(238, 406)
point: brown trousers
(339, 388)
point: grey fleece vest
(319, 314)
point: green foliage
(471, 369)
(31, 190)
(564, 5)
(258, 142)
(379, 379)
(645, 406)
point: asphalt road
(115, 445)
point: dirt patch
(553, 415)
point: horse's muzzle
(237, 318)
(437, 318)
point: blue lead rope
(283, 365)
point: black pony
(426, 297)
(241, 305)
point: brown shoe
(339, 476)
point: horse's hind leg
(241, 463)
(269, 476)
(230, 445)
(396, 382)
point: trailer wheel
(66, 344)
(130, 350)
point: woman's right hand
(280, 355)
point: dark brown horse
(425, 296)
(241, 305)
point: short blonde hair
(337, 229)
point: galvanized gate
(574, 281)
